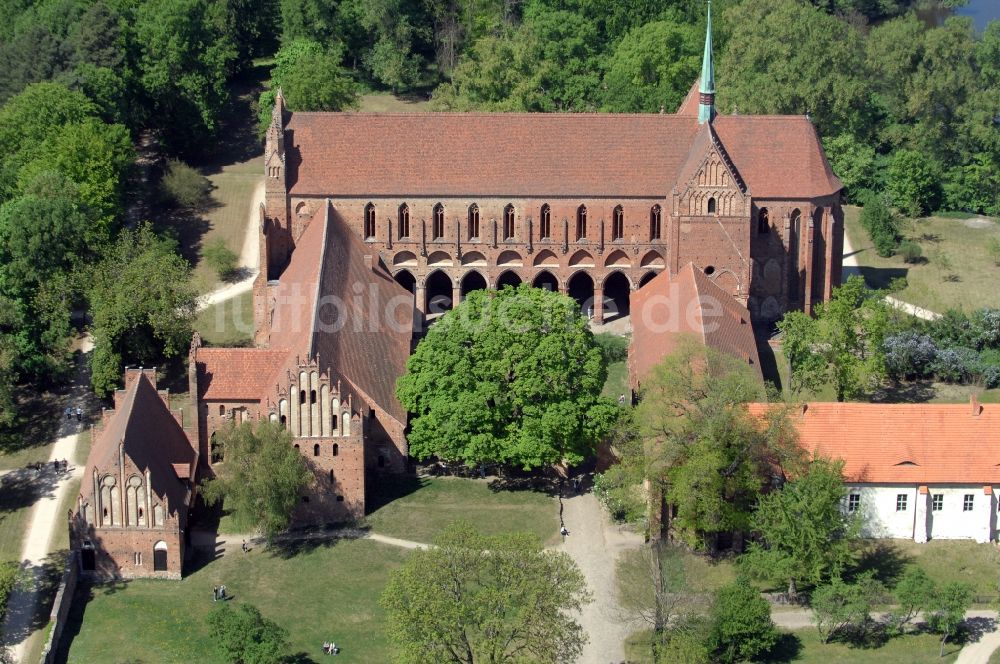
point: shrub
(909, 355)
(620, 495)
(989, 367)
(993, 249)
(882, 225)
(221, 258)
(955, 365)
(614, 348)
(741, 626)
(844, 609)
(184, 185)
(911, 252)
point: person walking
(215, 593)
(79, 414)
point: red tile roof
(541, 154)
(236, 374)
(152, 439)
(687, 303)
(779, 156)
(904, 443)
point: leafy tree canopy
(512, 376)
(475, 598)
(742, 629)
(246, 637)
(805, 535)
(262, 477)
(142, 305)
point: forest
(907, 111)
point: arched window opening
(105, 512)
(141, 513)
(711, 205)
(334, 418)
(336, 449)
(617, 223)
(296, 446)
(508, 222)
(312, 396)
(316, 449)
(302, 396)
(222, 410)
(763, 221)
(370, 221)
(710, 270)
(581, 222)
(284, 421)
(545, 223)
(403, 226)
(473, 222)
(655, 221)
(160, 556)
(437, 222)
(331, 477)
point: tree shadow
(24, 487)
(919, 391)
(787, 649)
(25, 617)
(974, 629)
(881, 277)
(238, 136)
(303, 541)
(299, 658)
(881, 558)
(548, 481)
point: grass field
(804, 646)
(423, 513)
(929, 285)
(228, 323)
(389, 103)
(16, 500)
(326, 593)
(947, 561)
(617, 382)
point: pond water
(981, 11)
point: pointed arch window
(437, 223)
(581, 222)
(711, 205)
(403, 225)
(617, 223)
(316, 449)
(473, 222)
(545, 222)
(370, 221)
(508, 222)
(763, 221)
(655, 222)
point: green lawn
(326, 593)
(929, 285)
(16, 500)
(388, 103)
(804, 646)
(423, 513)
(955, 560)
(228, 323)
(617, 382)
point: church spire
(706, 89)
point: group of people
(70, 411)
(219, 593)
(330, 648)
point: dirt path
(249, 257)
(851, 268)
(595, 544)
(46, 517)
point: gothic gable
(709, 183)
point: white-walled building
(915, 471)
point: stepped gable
(904, 443)
(688, 303)
(153, 440)
(485, 154)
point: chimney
(976, 408)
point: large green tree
(742, 629)
(805, 536)
(946, 610)
(841, 345)
(702, 449)
(261, 478)
(512, 376)
(485, 599)
(246, 637)
(652, 68)
(141, 303)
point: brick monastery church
(375, 223)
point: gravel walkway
(249, 257)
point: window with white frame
(900, 502)
(937, 502)
(969, 501)
(853, 502)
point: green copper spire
(706, 90)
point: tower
(706, 88)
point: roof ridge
(514, 114)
